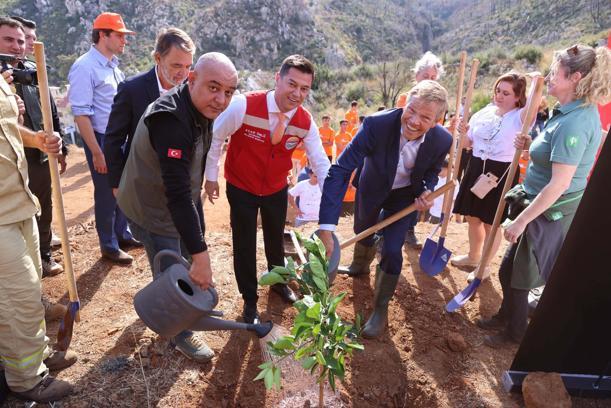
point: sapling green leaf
(319, 338)
(270, 278)
(269, 378)
(311, 247)
(308, 363)
(314, 311)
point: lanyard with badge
(486, 182)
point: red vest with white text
(255, 165)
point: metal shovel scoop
(434, 256)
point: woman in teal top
(561, 159)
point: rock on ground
(543, 390)
(456, 342)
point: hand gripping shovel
(532, 106)
(434, 256)
(364, 234)
(64, 335)
(333, 260)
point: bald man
(161, 184)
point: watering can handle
(171, 254)
(216, 313)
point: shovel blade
(464, 296)
(66, 326)
(434, 257)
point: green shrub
(363, 71)
(530, 53)
(497, 53)
(356, 91)
(479, 101)
(484, 61)
(323, 75)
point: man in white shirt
(308, 192)
(264, 128)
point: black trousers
(514, 308)
(244, 208)
(40, 185)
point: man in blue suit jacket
(173, 56)
(398, 154)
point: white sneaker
(55, 241)
(463, 261)
(193, 347)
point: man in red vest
(264, 128)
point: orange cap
(110, 21)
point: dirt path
(410, 366)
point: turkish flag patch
(174, 153)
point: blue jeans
(153, 244)
(110, 222)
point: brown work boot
(53, 311)
(58, 360)
(51, 268)
(48, 390)
(119, 257)
(412, 240)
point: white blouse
(492, 135)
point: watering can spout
(262, 329)
(209, 323)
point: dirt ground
(124, 364)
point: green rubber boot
(385, 285)
(361, 260)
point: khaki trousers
(23, 341)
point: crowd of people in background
(148, 187)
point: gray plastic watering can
(172, 303)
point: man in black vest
(160, 189)
(173, 56)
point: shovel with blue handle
(532, 106)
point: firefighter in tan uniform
(23, 342)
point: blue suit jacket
(374, 152)
(133, 96)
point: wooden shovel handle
(407, 210)
(297, 246)
(465, 117)
(58, 201)
(532, 106)
(449, 197)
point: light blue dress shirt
(93, 82)
(408, 151)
